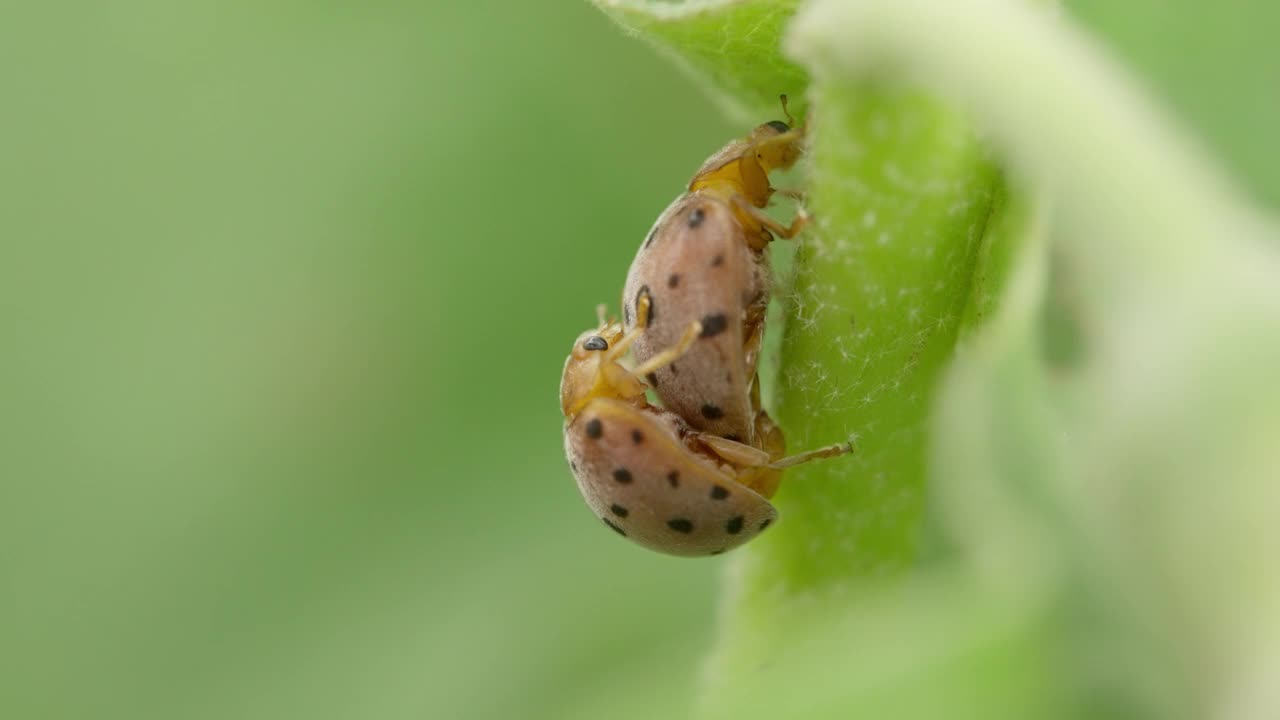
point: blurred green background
(287, 290)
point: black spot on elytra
(680, 525)
(672, 368)
(595, 342)
(719, 492)
(765, 524)
(717, 261)
(652, 378)
(652, 234)
(573, 466)
(696, 216)
(622, 475)
(778, 125)
(618, 510)
(734, 526)
(673, 280)
(673, 479)
(615, 527)
(711, 412)
(595, 429)
(713, 325)
(637, 437)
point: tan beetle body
(648, 475)
(703, 273)
(640, 478)
(703, 261)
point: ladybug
(645, 472)
(703, 261)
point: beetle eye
(779, 126)
(595, 342)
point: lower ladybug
(644, 472)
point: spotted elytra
(644, 472)
(703, 261)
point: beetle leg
(836, 450)
(797, 195)
(663, 358)
(671, 354)
(755, 338)
(666, 357)
(737, 453)
(644, 304)
(783, 231)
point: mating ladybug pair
(691, 477)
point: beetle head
(592, 369)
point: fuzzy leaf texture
(1055, 341)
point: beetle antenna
(787, 113)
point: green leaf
(903, 195)
(935, 646)
(1062, 383)
(1166, 276)
(730, 46)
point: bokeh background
(287, 290)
